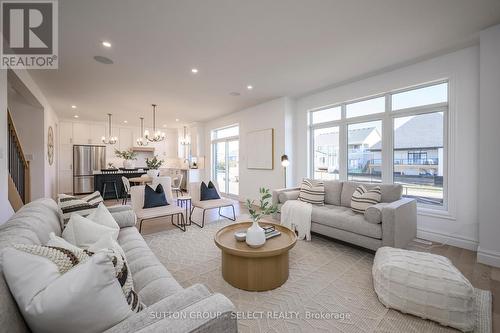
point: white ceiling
(281, 47)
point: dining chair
(171, 210)
(177, 185)
(204, 205)
(126, 190)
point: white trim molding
(488, 257)
(455, 240)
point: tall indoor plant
(256, 236)
(153, 165)
(128, 156)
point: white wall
(489, 139)
(460, 226)
(266, 115)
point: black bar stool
(113, 183)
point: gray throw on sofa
(160, 292)
(393, 222)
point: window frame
(387, 117)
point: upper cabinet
(81, 133)
(65, 132)
(97, 131)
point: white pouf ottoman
(425, 285)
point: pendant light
(157, 135)
(110, 140)
(185, 139)
(140, 141)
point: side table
(185, 201)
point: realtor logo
(29, 34)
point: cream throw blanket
(296, 215)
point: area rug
(329, 289)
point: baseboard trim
(488, 257)
(458, 241)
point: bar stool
(111, 182)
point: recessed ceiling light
(103, 60)
(249, 87)
(177, 119)
(125, 121)
(105, 43)
(73, 106)
(76, 116)
(194, 70)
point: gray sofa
(159, 291)
(393, 222)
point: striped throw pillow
(70, 204)
(65, 258)
(312, 191)
(363, 198)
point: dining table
(145, 179)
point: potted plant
(128, 156)
(153, 165)
(256, 236)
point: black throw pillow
(154, 198)
(208, 192)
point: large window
(326, 153)
(364, 151)
(225, 159)
(397, 137)
(419, 157)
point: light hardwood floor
(481, 276)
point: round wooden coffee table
(260, 269)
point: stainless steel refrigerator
(86, 160)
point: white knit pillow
(312, 191)
(363, 198)
(425, 285)
(59, 290)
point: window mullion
(387, 146)
(343, 146)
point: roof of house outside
(422, 131)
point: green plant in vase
(153, 165)
(128, 157)
(256, 236)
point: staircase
(19, 169)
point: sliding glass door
(225, 157)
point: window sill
(437, 213)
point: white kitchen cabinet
(97, 131)
(65, 157)
(65, 182)
(65, 132)
(81, 133)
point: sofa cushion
(344, 218)
(152, 281)
(312, 191)
(363, 198)
(333, 189)
(390, 192)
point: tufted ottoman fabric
(425, 285)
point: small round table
(185, 201)
(259, 269)
(141, 180)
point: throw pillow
(208, 192)
(363, 198)
(69, 204)
(102, 216)
(59, 290)
(154, 197)
(312, 191)
(83, 232)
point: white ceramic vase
(153, 173)
(128, 164)
(256, 237)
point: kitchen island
(114, 175)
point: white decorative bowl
(240, 236)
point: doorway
(225, 157)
